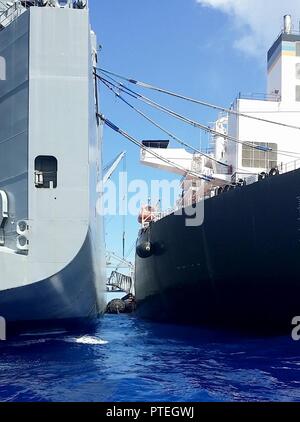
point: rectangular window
(45, 172)
(298, 49)
(298, 71)
(255, 158)
(297, 92)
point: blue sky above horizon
(208, 49)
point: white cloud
(257, 22)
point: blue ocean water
(126, 359)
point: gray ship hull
(52, 249)
(64, 300)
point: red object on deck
(147, 214)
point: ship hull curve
(68, 298)
(50, 164)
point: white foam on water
(87, 340)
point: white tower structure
(274, 146)
(281, 104)
(284, 65)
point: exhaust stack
(287, 27)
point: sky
(207, 49)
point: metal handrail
(291, 166)
(185, 201)
(292, 32)
(182, 202)
(259, 96)
(11, 12)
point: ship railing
(282, 168)
(292, 32)
(10, 12)
(190, 198)
(291, 166)
(161, 214)
(258, 96)
(156, 216)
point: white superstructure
(263, 146)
